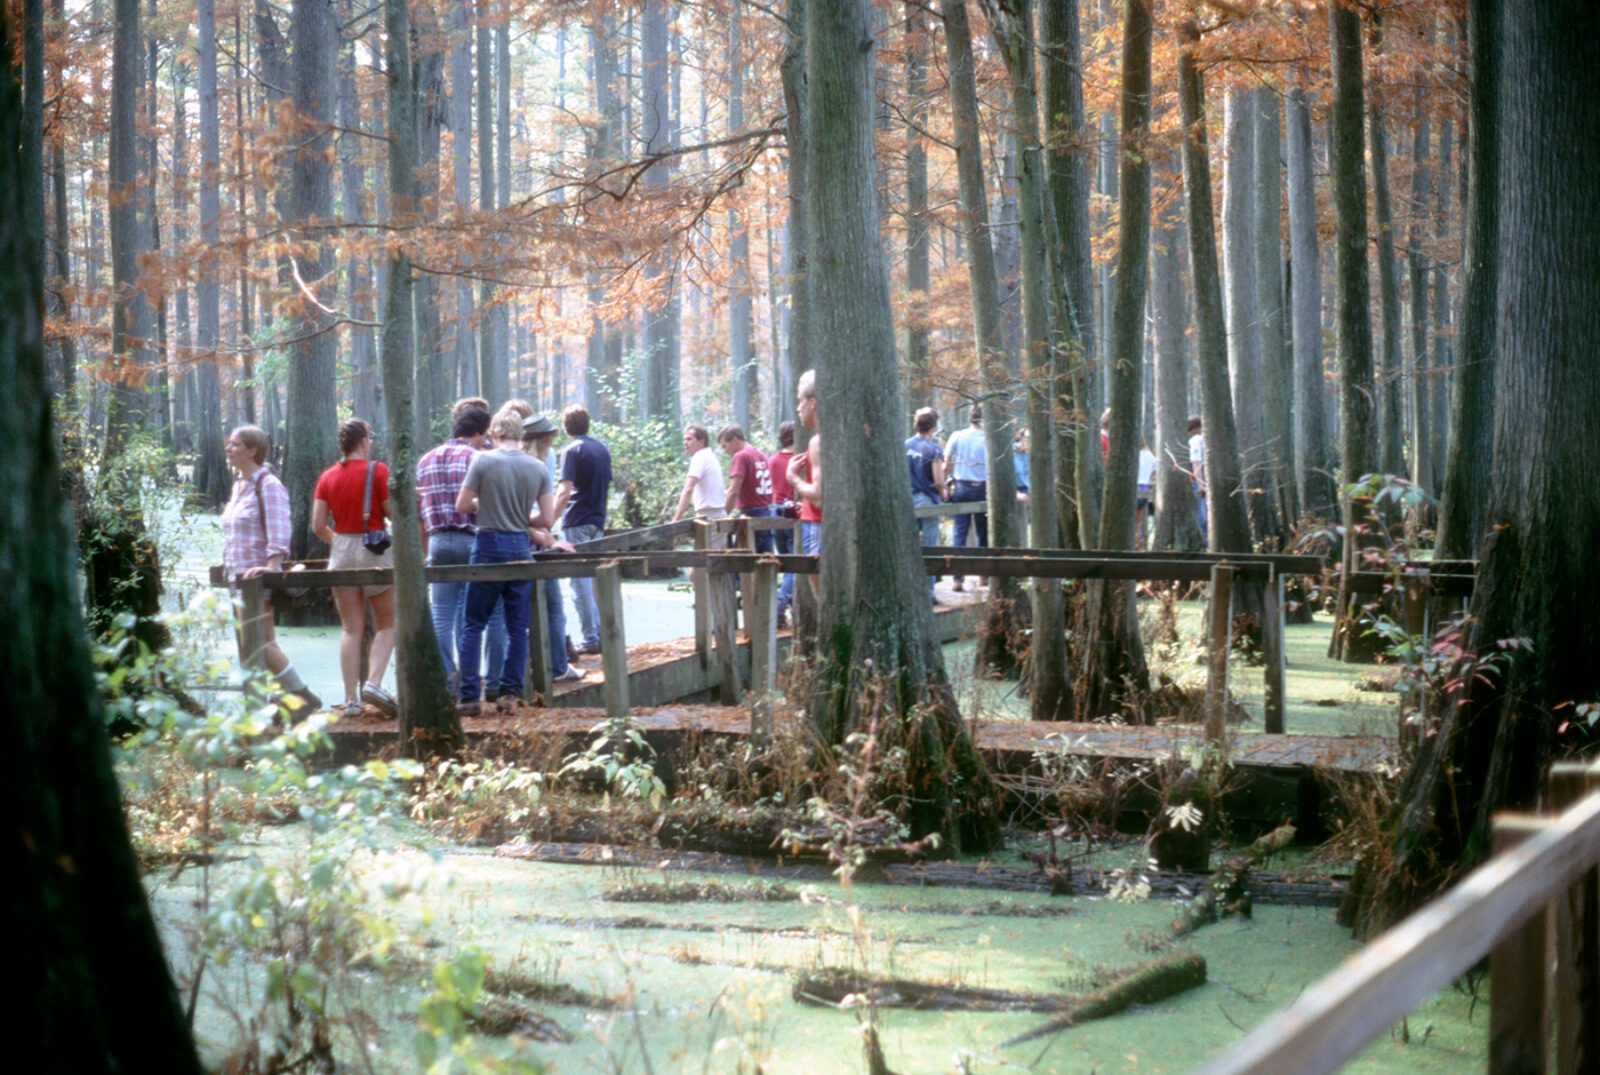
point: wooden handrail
(632, 539)
(1266, 569)
(1375, 988)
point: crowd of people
(489, 494)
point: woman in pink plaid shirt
(255, 539)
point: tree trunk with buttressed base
(876, 642)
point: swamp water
(706, 986)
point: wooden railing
(715, 612)
(1534, 909)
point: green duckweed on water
(705, 985)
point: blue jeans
(763, 537)
(1200, 513)
(965, 492)
(496, 547)
(810, 539)
(555, 619)
(783, 545)
(447, 603)
(583, 591)
(929, 526)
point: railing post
(763, 627)
(252, 623)
(539, 644)
(745, 540)
(702, 598)
(1414, 613)
(1518, 1003)
(1272, 651)
(1577, 986)
(613, 640)
(1219, 637)
(721, 589)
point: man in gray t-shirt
(508, 483)
(511, 493)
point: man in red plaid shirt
(447, 534)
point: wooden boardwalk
(1011, 744)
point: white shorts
(348, 554)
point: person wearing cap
(510, 492)
(581, 507)
(538, 434)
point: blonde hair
(807, 389)
(506, 426)
(520, 407)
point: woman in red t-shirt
(336, 519)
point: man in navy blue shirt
(585, 485)
(926, 460)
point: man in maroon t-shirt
(749, 490)
(749, 482)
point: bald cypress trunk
(1489, 748)
(1000, 628)
(659, 381)
(798, 245)
(1347, 177)
(919, 391)
(1176, 524)
(1239, 295)
(438, 368)
(1225, 515)
(1277, 437)
(211, 470)
(428, 720)
(132, 319)
(1462, 500)
(1353, 311)
(1313, 473)
(311, 418)
(880, 659)
(1049, 693)
(1114, 665)
(1391, 455)
(1067, 176)
(99, 995)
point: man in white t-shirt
(703, 487)
(1146, 491)
(1197, 472)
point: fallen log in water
(834, 987)
(1228, 890)
(1264, 888)
(1144, 984)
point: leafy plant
(621, 757)
(197, 778)
(1443, 666)
(444, 1042)
(477, 799)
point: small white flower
(1185, 816)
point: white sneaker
(381, 699)
(571, 675)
